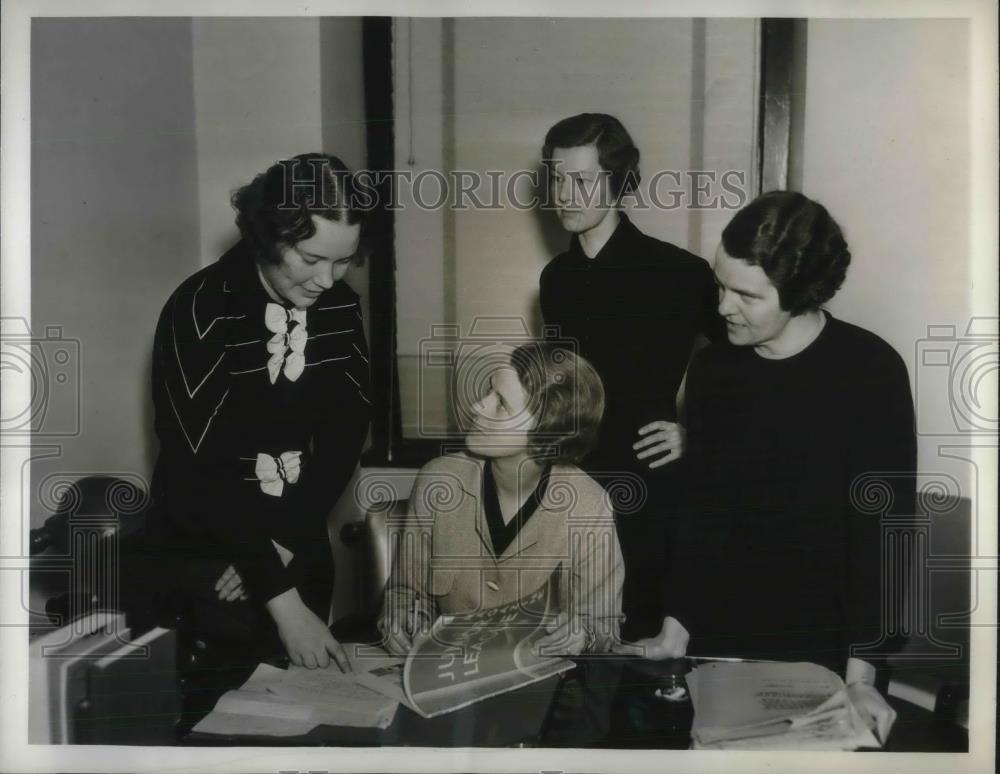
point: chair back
(370, 539)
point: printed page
(382, 674)
(225, 723)
(297, 700)
(841, 729)
(334, 697)
(251, 712)
(732, 696)
(464, 659)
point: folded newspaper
(464, 659)
(773, 706)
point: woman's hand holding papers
(871, 705)
(873, 708)
(399, 632)
(397, 643)
(563, 638)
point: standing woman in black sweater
(800, 439)
(260, 380)
(636, 307)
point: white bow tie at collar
(273, 472)
(277, 317)
(286, 348)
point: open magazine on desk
(466, 658)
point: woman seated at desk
(496, 522)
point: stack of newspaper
(773, 706)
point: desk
(600, 704)
(511, 719)
(640, 721)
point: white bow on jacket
(286, 348)
(273, 472)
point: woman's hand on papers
(562, 638)
(306, 638)
(400, 629)
(663, 439)
(873, 708)
(230, 585)
(397, 644)
(671, 642)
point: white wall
(885, 148)
(114, 224)
(257, 100)
(422, 268)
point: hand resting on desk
(671, 642)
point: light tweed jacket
(444, 564)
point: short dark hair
(277, 207)
(796, 242)
(616, 152)
(566, 396)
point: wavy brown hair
(566, 396)
(796, 242)
(616, 153)
(277, 207)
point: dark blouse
(790, 463)
(501, 534)
(261, 412)
(634, 310)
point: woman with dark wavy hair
(789, 424)
(516, 509)
(260, 381)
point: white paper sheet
(774, 706)
(280, 702)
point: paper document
(380, 673)
(288, 702)
(774, 705)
